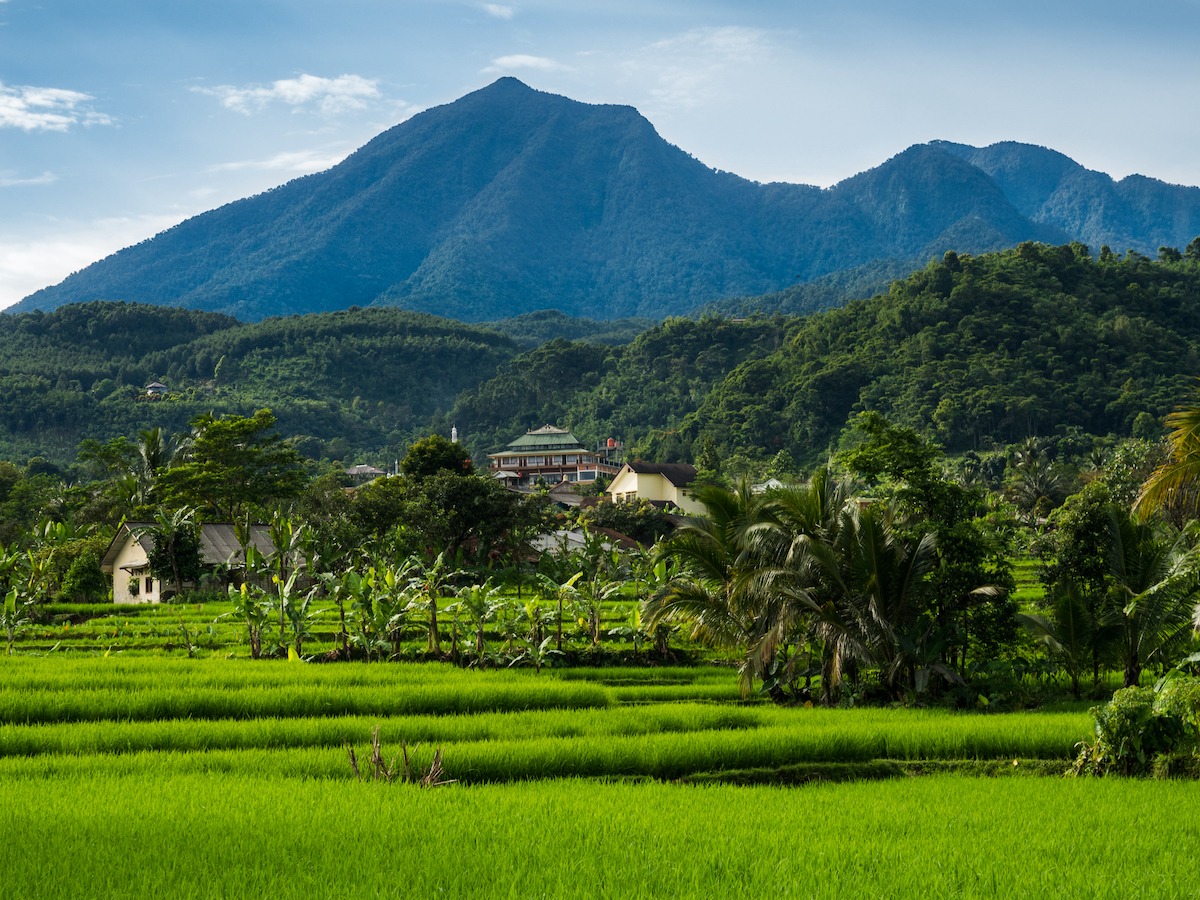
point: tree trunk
(435, 641)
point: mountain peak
(512, 199)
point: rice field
(233, 835)
(132, 776)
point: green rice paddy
(134, 776)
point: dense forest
(978, 352)
(975, 352)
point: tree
(175, 556)
(234, 464)
(969, 553)
(638, 519)
(1067, 632)
(447, 510)
(1153, 586)
(1075, 555)
(433, 454)
(880, 610)
(1174, 486)
(380, 505)
(717, 589)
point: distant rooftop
(548, 437)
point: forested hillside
(974, 351)
(978, 351)
(639, 392)
(344, 384)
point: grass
(143, 773)
(232, 835)
(495, 726)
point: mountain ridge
(511, 200)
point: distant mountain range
(511, 200)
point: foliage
(434, 454)
(234, 464)
(1139, 725)
(978, 351)
(638, 519)
(175, 557)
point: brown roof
(679, 474)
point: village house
(361, 474)
(552, 455)
(127, 559)
(663, 484)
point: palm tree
(798, 520)
(1068, 632)
(154, 452)
(176, 551)
(1154, 581)
(877, 612)
(719, 589)
(1174, 486)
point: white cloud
(300, 162)
(499, 11)
(524, 61)
(46, 109)
(11, 179)
(689, 69)
(329, 95)
(29, 264)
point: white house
(663, 484)
(128, 557)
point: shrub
(1143, 731)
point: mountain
(511, 200)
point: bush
(1143, 731)
(84, 581)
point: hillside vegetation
(974, 351)
(357, 381)
(977, 351)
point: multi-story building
(554, 455)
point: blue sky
(121, 118)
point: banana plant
(302, 618)
(559, 592)
(14, 617)
(633, 632)
(252, 607)
(481, 603)
(590, 597)
(540, 656)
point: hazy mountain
(511, 200)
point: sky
(121, 118)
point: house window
(149, 584)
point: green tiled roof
(546, 438)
